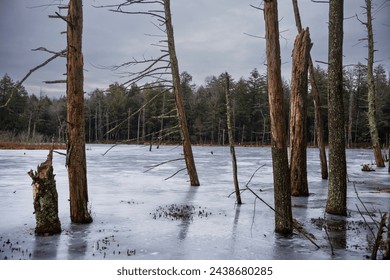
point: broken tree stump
(45, 198)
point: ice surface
(123, 200)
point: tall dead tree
(76, 157)
(337, 185)
(281, 172)
(164, 70)
(298, 114)
(187, 149)
(319, 127)
(230, 126)
(372, 120)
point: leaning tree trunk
(230, 125)
(298, 113)
(337, 185)
(187, 149)
(45, 198)
(281, 172)
(76, 158)
(372, 121)
(319, 130)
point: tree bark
(319, 128)
(351, 107)
(281, 172)
(45, 198)
(76, 158)
(372, 121)
(187, 149)
(337, 185)
(298, 113)
(230, 125)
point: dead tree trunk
(351, 107)
(281, 172)
(187, 149)
(337, 185)
(45, 198)
(298, 113)
(319, 128)
(76, 158)
(372, 121)
(230, 125)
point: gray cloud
(210, 39)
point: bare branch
(55, 82)
(257, 8)
(161, 163)
(174, 174)
(58, 54)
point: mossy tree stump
(45, 198)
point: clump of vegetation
(180, 212)
(367, 168)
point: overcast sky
(211, 38)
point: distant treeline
(138, 115)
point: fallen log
(45, 198)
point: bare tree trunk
(337, 185)
(281, 172)
(187, 149)
(96, 126)
(107, 126)
(230, 126)
(76, 158)
(128, 123)
(372, 121)
(45, 198)
(351, 107)
(298, 113)
(319, 130)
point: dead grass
(8, 145)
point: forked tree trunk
(230, 125)
(281, 172)
(337, 185)
(76, 158)
(187, 149)
(319, 128)
(298, 113)
(45, 198)
(372, 121)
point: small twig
(174, 174)
(365, 208)
(57, 152)
(253, 175)
(254, 214)
(365, 221)
(161, 163)
(327, 235)
(109, 149)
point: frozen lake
(127, 203)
